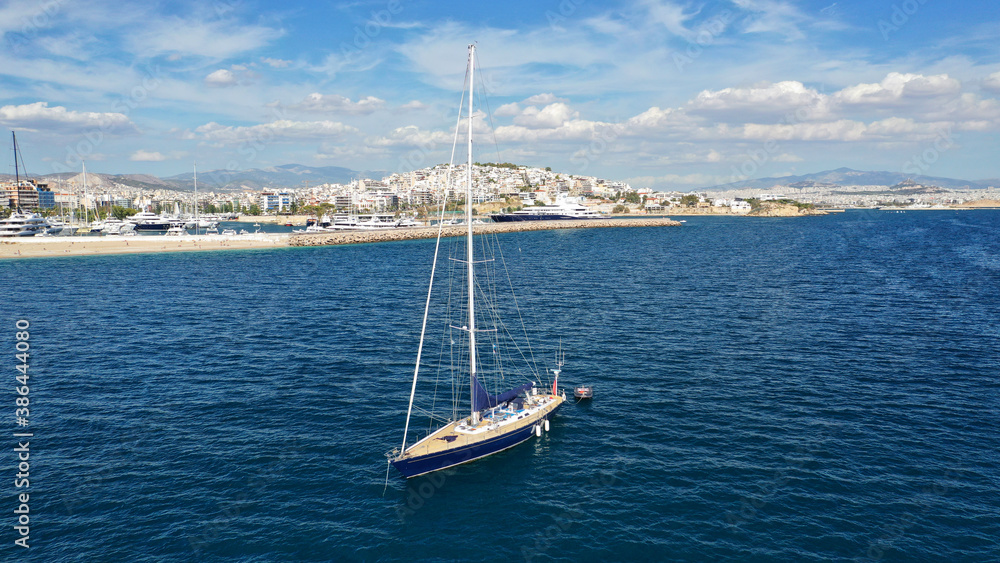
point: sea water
(807, 389)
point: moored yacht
(565, 208)
(146, 221)
(21, 224)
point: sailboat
(493, 375)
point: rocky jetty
(981, 203)
(383, 235)
(777, 209)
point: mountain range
(850, 177)
(286, 176)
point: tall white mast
(430, 286)
(197, 225)
(86, 197)
(468, 244)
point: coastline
(50, 247)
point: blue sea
(808, 389)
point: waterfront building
(26, 195)
(275, 201)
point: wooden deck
(485, 430)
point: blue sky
(660, 93)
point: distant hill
(97, 182)
(285, 176)
(849, 177)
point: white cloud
(280, 130)
(413, 105)
(549, 117)
(221, 78)
(275, 63)
(968, 106)
(576, 130)
(771, 16)
(897, 87)
(213, 39)
(40, 117)
(840, 130)
(992, 83)
(413, 136)
(656, 121)
(333, 103)
(774, 100)
(508, 110)
(542, 99)
(670, 16)
(146, 156)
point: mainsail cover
(481, 399)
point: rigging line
(430, 285)
(491, 313)
(517, 307)
(489, 112)
(455, 393)
(456, 390)
(388, 464)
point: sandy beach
(41, 247)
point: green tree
(620, 209)
(122, 212)
(632, 197)
(254, 210)
(690, 200)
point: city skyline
(661, 94)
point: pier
(412, 233)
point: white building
(275, 201)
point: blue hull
(506, 218)
(152, 227)
(413, 467)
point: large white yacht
(564, 208)
(23, 225)
(146, 221)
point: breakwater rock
(384, 235)
(776, 209)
